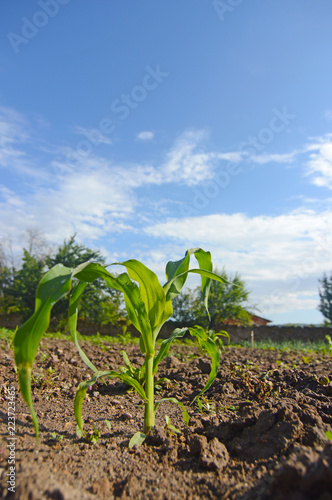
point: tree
(36, 244)
(6, 279)
(99, 304)
(227, 300)
(325, 294)
(21, 292)
(183, 308)
(18, 288)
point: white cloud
(281, 257)
(16, 137)
(275, 158)
(13, 132)
(186, 163)
(320, 161)
(13, 127)
(145, 135)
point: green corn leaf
(176, 275)
(151, 290)
(204, 262)
(72, 321)
(210, 347)
(206, 276)
(133, 299)
(52, 287)
(126, 361)
(80, 395)
(223, 334)
(125, 377)
(79, 398)
(185, 414)
(137, 440)
(164, 348)
(177, 272)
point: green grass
(93, 339)
(320, 346)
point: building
(256, 321)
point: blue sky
(151, 127)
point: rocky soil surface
(260, 433)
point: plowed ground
(260, 433)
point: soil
(260, 433)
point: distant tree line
(18, 287)
(99, 304)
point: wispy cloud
(319, 165)
(16, 145)
(187, 162)
(275, 158)
(13, 133)
(145, 135)
(93, 135)
(13, 127)
(92, 204)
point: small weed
(232, 408)
(108, 423)
(204, 405)
(94, 436)
(91, 437)
(44, 356)
(57, 437)
(169, 427)
(328, 348)
(324, 381)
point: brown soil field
(260, 433)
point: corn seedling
(148, 305)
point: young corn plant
(148, 305)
